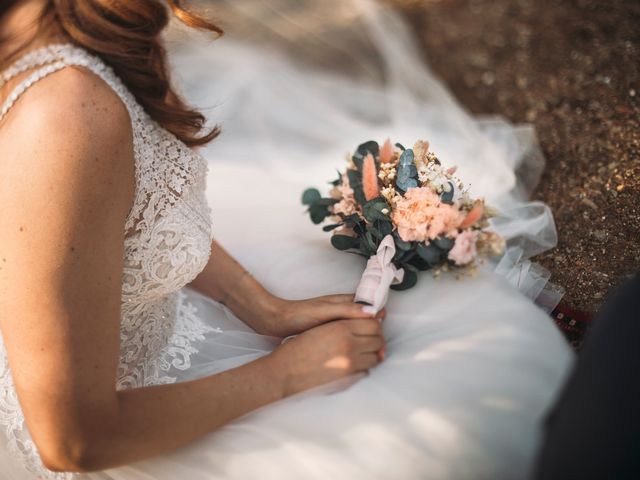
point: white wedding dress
(472, 364)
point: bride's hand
(292, 317)
(328, 352)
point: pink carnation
(464, 248)
(420, 215)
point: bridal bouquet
(405, 212)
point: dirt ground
(572, 68)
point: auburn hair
(126, 35)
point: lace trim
(36, 76)
(176, 327)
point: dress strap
(54, 57)
(35, 58)
(49, 56)
(30, 80)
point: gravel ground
(572, 68)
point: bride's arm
(66, 165)
(225, 280)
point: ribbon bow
(379, 275)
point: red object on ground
(574, 324)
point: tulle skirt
(472, 365)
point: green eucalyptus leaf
(357, 160)
(419, 263)
(405, 256)
(406, 185)
(410, 266)
(429, 253)
(407, 171)
(447, 197)
(407, 158)
(401, 244)
(365, 248)
(384, 226)
(344, 242)
(375, 232)
(363, 149)
(318, 213)
(371, 147)
(444, 243)
(328, 228)
(326, 201)
(372, 209)
(351, 220)
(371, 242)
(355, 181)
(310, 196)
(360, 228)
(410, 279)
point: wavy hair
(126, 35)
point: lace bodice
(167, 243)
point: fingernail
(369, 310)
(383, 353)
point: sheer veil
(295, 84)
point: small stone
(589, 203)
(521, 82)
(488, 78)
(599, 235)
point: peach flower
(386, 152)
(473, 216)
(347, 205)
(420, 215)
(464, 248)
(370, 178)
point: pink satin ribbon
(379, 275)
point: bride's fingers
(339, 298)
(382, 353)
(364, 327)
(369, 343)
(344, 310)
(365, 361)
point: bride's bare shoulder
(69, 135)
(73, 108)
(68, 125)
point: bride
(135, 346)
